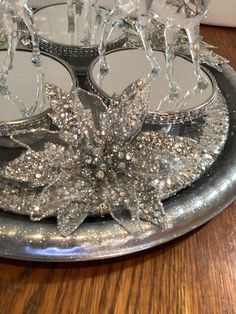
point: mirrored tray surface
(52, 24)
(134, 65)
(22, 85)
(22, 80)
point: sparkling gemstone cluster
(99, 161)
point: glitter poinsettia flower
(88, 169)
(100, 162)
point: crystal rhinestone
(100, 174)
(128, 157)
(155, 183)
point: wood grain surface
(195, 274)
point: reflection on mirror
(175, 15)
(89, 14)
(11, 13)
(127, 65)
(24, 85)
(52, 25)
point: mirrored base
(52, 25)
(128, 65)
(18, 99)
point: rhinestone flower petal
(99, 162)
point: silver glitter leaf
(71, 217)
(38, 168)
(69, 115)
(127, 112)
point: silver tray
(100, 238)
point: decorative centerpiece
(101, 163)
(130, 163)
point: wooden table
(195, 274)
